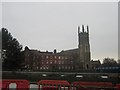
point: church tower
(84, 47)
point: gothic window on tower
(86, 47)
(87, 66)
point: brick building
(73, 59)
(48, 61)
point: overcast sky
(49, 25)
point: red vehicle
(53, 85)
(92, 86)
(16, 84)
(117, 86)
(57, 85)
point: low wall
(36, 76)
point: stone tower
(84, 48)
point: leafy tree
(109, 62)
(11, 51)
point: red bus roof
(54, 82)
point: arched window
(87, 66)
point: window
(62, 62)
(28, 66)
(66, 58)
(59, 62)
(47, 57)
(69, 67)
(72, 67)
(46, 62)
(51, 62)
(42, 56)
(47, 67)
(59, 67)
(51, 57)
(59, 57)
(65, 67)
(37, 67)
(44, 67)
(34, 64)
(55, 61)
(40, 67)
(71, 62)
(34, 57)
(55, 57)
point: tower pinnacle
(82, 28)
(78, 29)
(87, 29)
